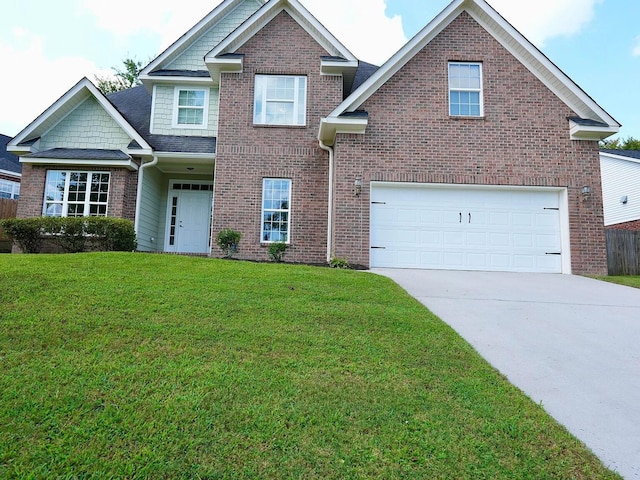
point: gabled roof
(339, 61)
(514, 42)
(180, 45)
(24, 141)
(8, 161)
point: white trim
(588, 132)
(176, 108)
(10, 173)
(65, 196)
(13, 185)
(561, 85)
(604, 154)
(331, 126)
(212, 18)
(479, 90)
(563, 205)
(171, 80)
(167, 221)
(186, 156)
(299, 105)
(289, 210)
(128, 164)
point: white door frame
(170, 194)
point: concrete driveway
(569, 342)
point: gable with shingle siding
(193, 57)
(88, 126)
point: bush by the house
(228, 240)
(337, 262)
(276, 251)
(72, 234)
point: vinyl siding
(162, 121)
(151, 214)
(620, 178)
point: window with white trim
(190, 109)
(76, 194)
(465, 89)
(276, 210)
(280, 100)
(9, 189)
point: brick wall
(122, 191)
(631, 226)
(247, 153)
(522, 140)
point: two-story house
(467, 149)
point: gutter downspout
(330, 202)
(153, 163)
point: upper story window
(9, 189)
(465, 89)
(190, 109)
(280, 100)
(276, 209)
(76, 194)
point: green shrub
(72, 234)
(24, 232)
(337, 262)
(228, 240)
(276, 251)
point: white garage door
(418, 226)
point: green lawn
(630, 281)
(157, 366)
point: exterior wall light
(624, 200)
(586, 190)
(358, 186)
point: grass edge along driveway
(155, 366)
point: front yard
(156, 366)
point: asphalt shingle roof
(80, 154)
(623, 153)
(8, 161)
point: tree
(628, 143)
(123, 78)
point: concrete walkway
(569, 342)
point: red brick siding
(247, 153)
(633, 226)
(522, 140)
(122, 191)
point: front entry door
(189, 219)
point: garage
(468, 228)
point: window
(191, 108)
(276, 207)
(76, 194)
(465, 89)
(9, 189)
(280, 100)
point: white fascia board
(9, 173)
(587, 132)
(538, 63)
(612, 156)
(212, 18)
(399, 59)
(18, 150)
(78, 93)
(186, 156)
(337, 67)
(331, 126)
(263, 16)
(218, 65)
(128, 164)
(149, 80)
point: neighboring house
(620, 171)
(468, 149)
(10, 171)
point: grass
(153, 366)
(629, 281)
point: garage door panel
(458, 228)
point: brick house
(468, 149)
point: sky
(47, 46)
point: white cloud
(26, 92)
(636, 50)
(373, 37)
(541, 20)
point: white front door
(462, 228)
(189, 218)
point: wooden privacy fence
(8, 208)
(623, 252)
